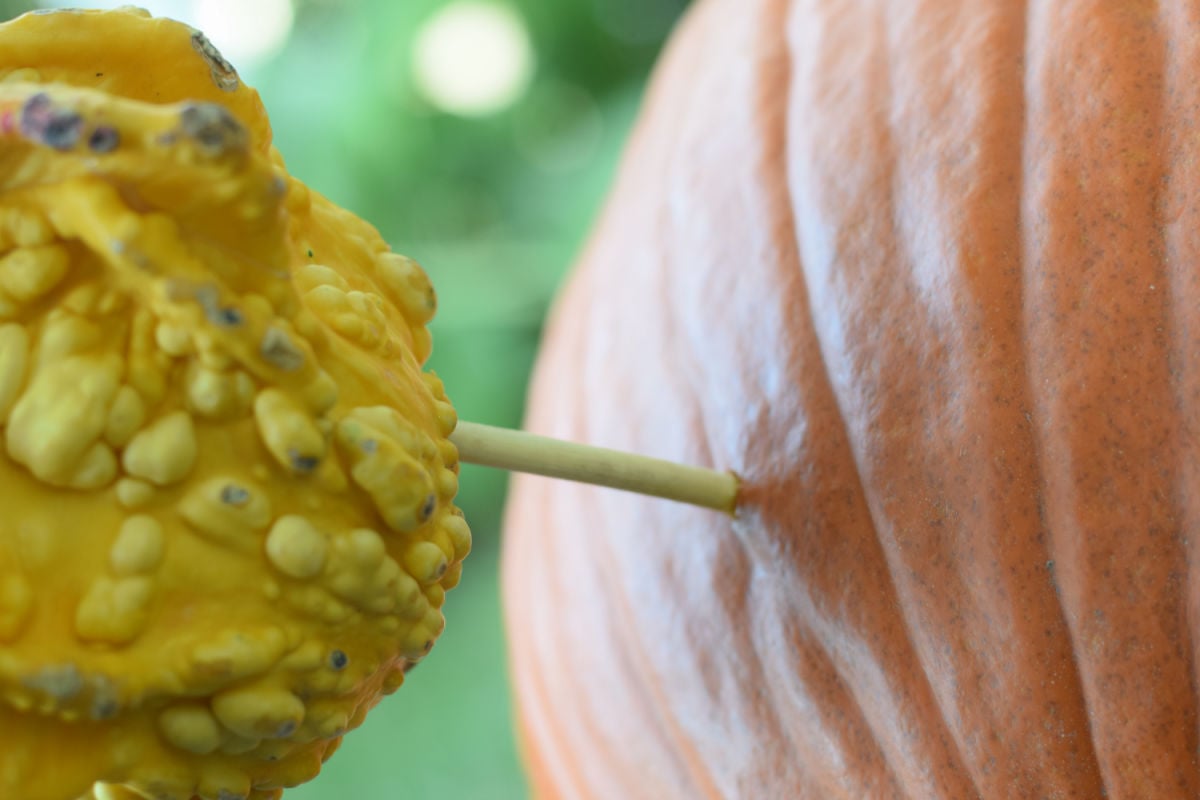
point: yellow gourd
(226, 519)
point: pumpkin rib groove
(640, 665)
(673, 386)
(1097, 326)
(843, 710)
(703, 782)
(634, 655)
(777, 184)
(548, 759)
(979, 587)
(652, 697)
(568, 769)
(557, 758)
(774, 123)
(904, 261)
(1027, 258)
(904, 256)
(920, 675)
(773, 119)
(1163, 144)
(940, 729)
(1179, 83)
(550, 749)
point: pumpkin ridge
(974, 554)
(1104, 323)
(1179, 83)
(845, 709)
(703, 783)
(635, 654)
(939, 732)
(1026, 259)
(774, 186)
(548, 762)
(775, 124)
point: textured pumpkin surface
(925, 274)
(227, 521)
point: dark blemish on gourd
(301, 463)
(338, 660)
(277, 349)
(310, 253)
(104, 708)
(369, 446)
(54, 127)
(209, 299)
(227, 317)
(104, 139)
(223, 74)
(234, 495)
(213, 128)
(104, 701)
(430, 505)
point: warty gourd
(226, 481)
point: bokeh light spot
(473, 58)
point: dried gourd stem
(526, 452)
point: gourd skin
(925, 276)
(227, 486)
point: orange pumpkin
(927, 276)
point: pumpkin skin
(925, 276)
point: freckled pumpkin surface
(226, 485)
(925, 275)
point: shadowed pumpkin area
(925, 276)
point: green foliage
(495, 208)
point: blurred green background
(479, 137)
